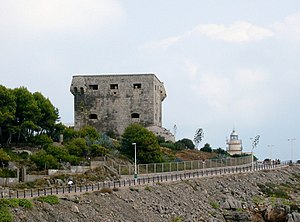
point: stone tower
(234, 144)
(111, 102)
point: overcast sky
(225, 64)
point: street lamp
(292, 148)
(135, 171)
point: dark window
(137, 85)
(93, 116)
(113, 86)
(75, 90)
(135, 115)
(93, 87)
(81, 90)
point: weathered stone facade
(113, 102)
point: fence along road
(142, 180)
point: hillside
(259, 196)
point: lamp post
(292, 152)
(135, 171)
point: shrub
(214, 204)
(25, 203)
(148, 188)
(5, 214)
(51, 199)
(169, 145)
(44, 160)
(106, 190)
(8, 173)
(188, 143)
(42, 139)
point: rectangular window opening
(113, 86)
(93, 87)
(137, 86)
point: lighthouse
(234, 145)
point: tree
(44, 160)
(147, 147)
(7, 111)
(48, 113)
(188, 143)
(27, 113)
(4, 158)
(77, 147)
(206, 148)
(198, 137)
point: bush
(8, 173)
(77, 147)
(147, 147)
(5, 214)
(44, 160)
(98, 150)
(169, 145)
(206, 148)
(51, 199)
(42, 139)
(188, 143)
(106, 190)
(180, 145)
(5, 204)
(25, 203)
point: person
(70, 183)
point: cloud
(240, 31)
(163, 43)
(214, 89)
(289, 27)
(58, 15)
(243, 96)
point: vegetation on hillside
(30, 120)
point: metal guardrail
(144, 180)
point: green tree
(188, 143)
(148, 150)
(48, 114)
(198, 137)
(7, 111)
(61, 154)
(206, 148)
(77, 147)
(44, 160)
(98, 150)
(27, 113)
(89, 132)
(4, 158)
(179, 145)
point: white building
(234, 145)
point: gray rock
(293, 217)
(75, 209)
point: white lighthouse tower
(234, 144)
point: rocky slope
(259, 196)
